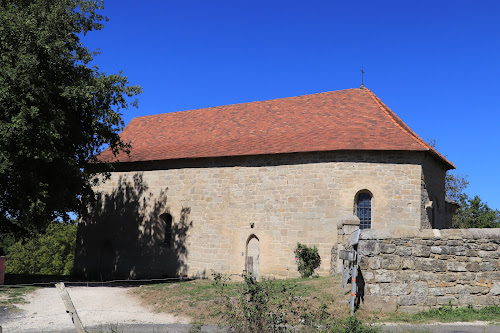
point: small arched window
(364, 209)
(167, 220)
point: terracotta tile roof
(351, 119)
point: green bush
(52, 253)
(307, 259)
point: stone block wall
(410, 271)
(219, 203)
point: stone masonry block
(374, 263)
(392, 262)
(408, 263)
(421, 251)
(454, 266)
(394, 289)
(419, 288)
(488, 247)
(381, 303)
(387, 248)
(404, 251)
(372, 289)
(384, 276)
(495, 290)
(368, 248)
(407, 300)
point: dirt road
(96, 306)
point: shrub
(307, 259)
(272, 306)
(52, 253)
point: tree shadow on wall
(123, 235)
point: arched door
(252, 257)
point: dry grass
(200, 300)
(14, 295)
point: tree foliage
(473, 213)
(56, 110)
(455, 185)
(52, 253)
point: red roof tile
(351, 119)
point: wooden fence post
(2, 272)
(70, 308)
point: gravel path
(45, 311)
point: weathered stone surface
(495, 290)
(382, 304)
(436, 291)
(387, 248)
(472, 267)
(407, 300)
(447, 277)
(456, 266)
(384, 276)
(363, 262)
(477, 290)
(412, 309)
(372, 289)
(419, 288)
(426, 264)
(488, 276)
(394, 289)
(408, 263)
(487, 266)
(437, 249)
(421, 251)
(427, 300)
(447, 300)
(368, 276)
(392, 262)
(404, 251)
(489, 247)
(457, 250)
(374, 263)
(368, 248)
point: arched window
(167, 220)
(364, 209)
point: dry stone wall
(410, 271)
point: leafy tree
(455, 185)
(56, 111)
(52, 253)
(473, 213)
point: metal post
(70, 308)
(353, 287)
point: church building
(235, 187)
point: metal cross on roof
(362, 77)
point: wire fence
(97, 283)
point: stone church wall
(218, 204)
(410, 271)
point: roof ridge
(241, 103)
(405, 128)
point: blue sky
(434, 63)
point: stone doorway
(252, 257)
